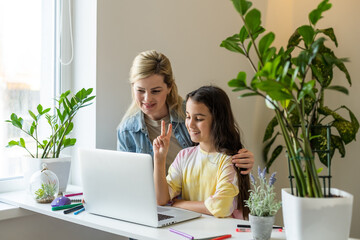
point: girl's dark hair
(224, 131)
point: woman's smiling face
(198, 123)
(150, 95)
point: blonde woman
(155, 99)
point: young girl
(204, 175)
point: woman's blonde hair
(147, 64)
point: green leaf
(267, 147)
(46, 110)
(307, 33)
(231, 46)
(265, 42)
(274, 89)
(70, 128)
(68, 142)
(89, 99)
(315, 15)
(239, 89)
(294, 40)
(353, 119)
(342, 68)
(88, 91)
(243, 35)
(13, 143)
(248, 95)
(307, 90)
(240, 81)
(338, 144)
(346, 130)
(330, 33)
(241, 6)
(294, 76)
(22, 142)
(80, 94)
(39, 108)
(32, 128)
(270, 129)
(339, 88)
(274, 155)
(253, 20)
(279, 95)
(269, 54)
(236, 83)
(327, 111)
(33, 115)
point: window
(27, 70)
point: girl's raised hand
(162, 142)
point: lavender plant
(262, 200)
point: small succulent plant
(262, 200)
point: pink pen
(73, 194)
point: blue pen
(77, 212)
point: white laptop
(120, 185)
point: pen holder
(44, 185)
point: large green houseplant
(293, 81)
(60, 121)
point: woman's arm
(196, 206)
(161, 147)
(244, 159)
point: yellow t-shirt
(201, 176)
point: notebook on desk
(120, 185)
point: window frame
(17, 182)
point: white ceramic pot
(60, 166)
(317, 218)
(261, 227)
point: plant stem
(62, 138)
(252, 40)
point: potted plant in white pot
(289, 79)
(60, 121)
(263, 205)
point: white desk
(205, 226)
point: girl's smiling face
(150, 95)
(198, 123)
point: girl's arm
(161, 147)
(196, 206)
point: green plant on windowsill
(61, 124)
(293, 82)
(46, 192)
(262, 201)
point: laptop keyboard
(163, 217)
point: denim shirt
(133, 136)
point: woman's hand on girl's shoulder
(162, 142)
(244, 159)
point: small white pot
(261, 227)
(317, 218)
(60, 166)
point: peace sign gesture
(162, 142)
